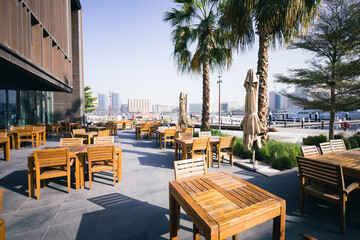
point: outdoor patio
(138, 206)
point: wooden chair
(200, 148)
(64, 142)
(42, 130)
(326, 148)
(204, 134)
(189, 168)
(110, 127)
(185, 135)
(145, 130)
(68, 135)
(78, 131)
(51, 129)
(328, 184)
(169, 136)
(51, 163)
(24, 135)
(308, 151)
(225, 148)
(338, 145)
(104, 133)
(101, 158)
(13, 128)
(105, 139)
(3, 134)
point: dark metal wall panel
(4, 36)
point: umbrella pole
(253, 161)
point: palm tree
(197, 22)
(276, 22)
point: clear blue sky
(127, 49)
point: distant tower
(103, 102)
(115, 103)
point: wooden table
(87, 135)
(188, 142)
(222, 205)
(39, 135)
(96, 128)
(349, 160)
(159, 136)
(5, 143)
(78, 153)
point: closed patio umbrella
(251, 124)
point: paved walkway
(137, 208)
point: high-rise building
(41, 61)
(139, 105)
(195, 107)
(115, 103)
(103, 102)
(162, 108)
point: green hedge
(315, 140)
(279, 155)
(353, 142)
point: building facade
(41, 61)
(139, 105)
(115, 103)
(103, 102)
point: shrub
(353, 142)
(339, 136)
(195, 134)
(347, 143)
(315, 140)
(357, 137)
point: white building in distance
(139, 105)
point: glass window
(2, 109)
(24, 107)
(12, 108)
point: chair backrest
(189, 168)
(187, 130)
(327, 173)
(105, 139)
(204, 134)
(227, 142)
(16, 128)
(200, 144)
(326, 148)
(104, 133)
(185, 135)
(39, 128)
(145, 127)
(161, 128)
(101, 153)
(338, 145)
(51, 157)
(78, 131)
(170, 132)
(68, 135)
(3, 134)
(308, 151)
(30, 127)
(71, 142)
(24, 132)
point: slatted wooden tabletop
(222, 205)
(349, 160)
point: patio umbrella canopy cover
(251, 124)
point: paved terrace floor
(138, 207)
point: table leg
(157, 139)
(77, 172)
(7, 150)
(210, 157)
(81, 169)
(160, 140)
(37, 140)
(184, 151)
(119, 165)
(174, 218)
(176, 151)
(44, 137)
(279, 224)
(31, 177)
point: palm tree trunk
(262, 71)
(205, 119)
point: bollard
(322, 124)
(302, 123)
(285, 123)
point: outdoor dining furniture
(5, 145)
(160, 132)
(225, 148)
(87, 136)
(41, 134)
(53, 129)
(68, 135)
(221, 205)
(308, 151)
(65, 142)
(189, 168)
(204, 134)
(328, 184)
(338, 145)
(45, 160)
(349, 161)
(96, 128)
(104, 133)
(72, 126)
(145, 130)
(78, 153)
(102, 140)
(25, 135)
(169, 136)
(99, 159)
(186, 143)
(2, 220)
(326, 148)
(200, 148)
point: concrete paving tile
(36, 234)
(71, 230)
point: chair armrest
(351, 187)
